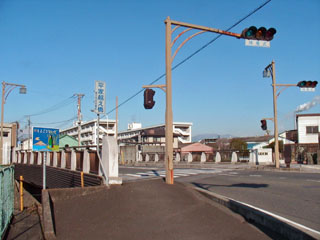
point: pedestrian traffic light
(258, 34)
(264, 124)
(148, 98)
(307, 86)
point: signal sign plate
(306, 89)
(257, 43)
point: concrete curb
(47, 216)
(284, 227)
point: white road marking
(255, 175)
(133, 175)
(311, 180)
(176, 173)
(266, 212)
(279, 217)
(225, 174)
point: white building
(9, 141)
(308, 128)
(88, 133)
(155, 135)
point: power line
(190, 56)
(64, 121)
(55, 107)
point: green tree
(238, 144)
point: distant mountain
(199, 137)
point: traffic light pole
(168, 86)
(169, 117)
(271, 67)
(169, 59)
(275, 116)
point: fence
(6, 197)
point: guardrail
(6, 197)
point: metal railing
(6, 197)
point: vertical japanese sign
(45, 139)
(100, 97)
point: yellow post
(21, 193)
(82, 180)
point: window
(312, 129)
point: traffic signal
(264, 124)
(307, 86)
(258, 34)
(148, 98)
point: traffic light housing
(264, 124)
(307, 84)
(258, 34)
(148, 98)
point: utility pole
(79, 95)
(29, 133)
(117, 118)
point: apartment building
(88, 132)
(155, 135)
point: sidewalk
(25, 225)
(147, 209)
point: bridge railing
(6, 197)
(73, 159)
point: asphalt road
(293, 195)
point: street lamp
(6, 90)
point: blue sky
(59, 48)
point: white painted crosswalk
(177, 173)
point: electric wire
(63, 121)
(190, 56)
(55, 107)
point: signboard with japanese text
(257, 43)
(45, 139)
(100, 97)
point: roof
(156, 126)
(67, 140)
(195, 147)
(308, 115)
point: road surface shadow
(238, 185)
